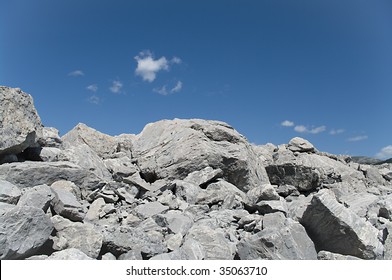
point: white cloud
(385, 152)
(94, 99)
(116, 86)
(287, 123)
(177, 87)
(164, 91)
(147, 67)
(336, 131)
(76, 73)
(318, 129)
(315, 130)
(357, 138)
(300, 128)
(92, 88)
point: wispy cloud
(165, 91)
(92, 88)
(148, 67)
(287, 123)
(177, 87)
(313, 130)
(385, 152)
(94, 99)
(337, 131)
(76, 73)
(116, 86)
(176, 60)
(357, 138)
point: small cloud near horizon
(92, 88)
(385, 152)
(336, 131)
(287, 123)
(304, 129)
(76, 73)
(357, 138)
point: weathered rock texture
(182, 190)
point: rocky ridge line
(181, 189)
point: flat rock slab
(337, 229)
(23, 231)
(150, 209)
(69, 254)
(66, 205)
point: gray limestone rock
(65, 204)
(30, 174)
(39, 196)
(173, 149)
(69, 254)
(217, 192)
(213, 242)
(325, 255)
(150, 209)
(298, 144)
(23, 232)
(264, 192)
(19, 122)
(122, 167)
(337, 229)
(84, 237)
(204, 176)
(9, 193)
(289, 242)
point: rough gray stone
(298, 144)
(337, 229)
(122, 166)
(131, 255)
(77, 235)
(50, 137)
(38, 196)
(213, 242)
(19, 121)
(69, 254)
(283, 243)
(204, 176)
(325, 255)
(30, 174)
(23, 232)
(9, 193)
(122, 239)
(177, 222)
(65, 204)
(217, 192)
(96, 210)
(150, 209)
(172, 149)
(264, 192)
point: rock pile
(181, 189)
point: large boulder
(9, 193)
(24, 230)
(30, 174)
(19, 122)
(308, 172)
(337, 229)
(173, 149)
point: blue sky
(275, 69)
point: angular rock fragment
(77, 235)
(19, 122)
(9, 193)
(39, 196)
(65, 204)
(337, 229)
(69, 254)
(150, 209)
(325, 255)
(23, 232)
(298, 144)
